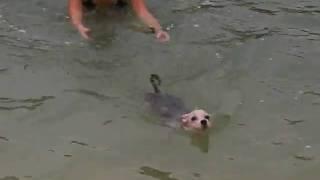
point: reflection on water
(201, 141)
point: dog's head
(196, 120)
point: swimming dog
(173, 111)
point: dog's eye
(207, 117)
(193, 118)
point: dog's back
(163, 104)
(173, 112)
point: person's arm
(76, 13)
(143, 13)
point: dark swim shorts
(91, 5)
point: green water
(71, 109)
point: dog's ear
(184, 117)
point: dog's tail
(155, 82)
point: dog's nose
(204, 123)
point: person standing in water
(76, 8)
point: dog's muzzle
(204, 124)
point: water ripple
(10, 104)
(263, 9)
(235, 34)
(305, 33)
(155, 173)
(302, 9)
(91, 93)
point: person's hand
(84, 31)
(162, 36)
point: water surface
(71, 109)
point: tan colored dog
(173, 111)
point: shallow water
(71, 109)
